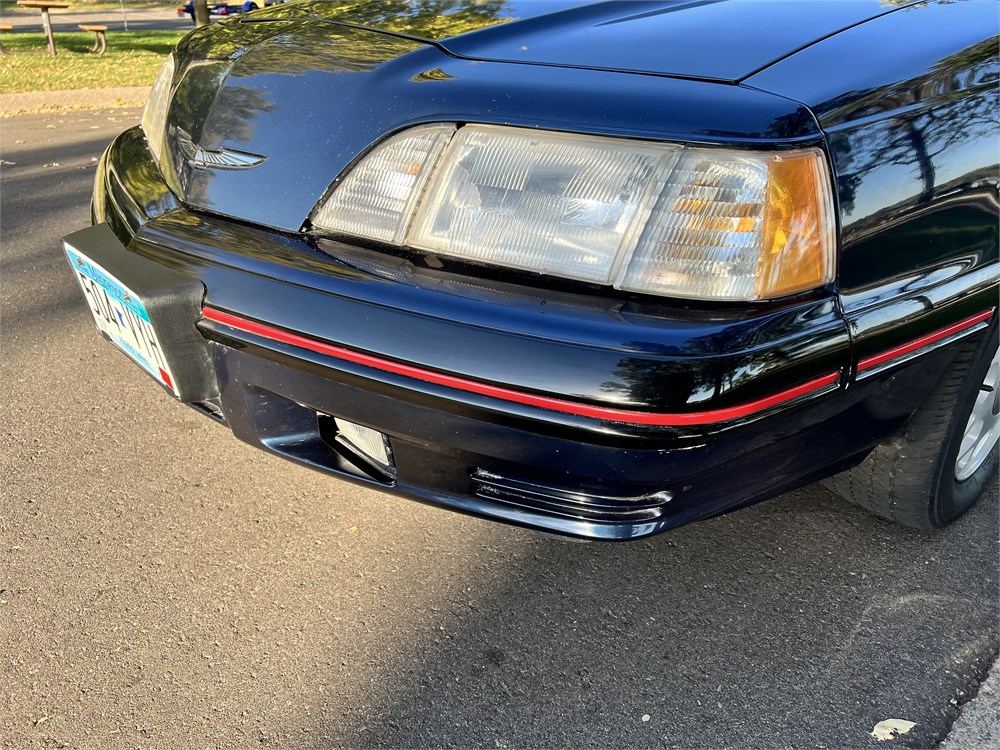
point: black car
(595, 268)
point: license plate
(120, 314)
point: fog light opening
(367, 449)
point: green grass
(132, 59)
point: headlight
(679, 221)
(154, 117)
(377, 199)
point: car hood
(718, 40)
(271, 107)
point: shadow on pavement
(801, 622)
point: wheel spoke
(983, 428)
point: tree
(952, 105)
(201, 12)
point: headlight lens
(377, 199)
(703, 223)
(154, 117)
(735, 226)
(547, 202)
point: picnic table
(44, 6)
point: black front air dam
(173, 301)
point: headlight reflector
(655, 218)
(377, 198)
(552, 203)
(154, 116)
(730, 225)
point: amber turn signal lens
(737, 225)
(797, 248)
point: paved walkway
(166, 19)
(45, 101)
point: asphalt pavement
(137, 19)
(165, 586)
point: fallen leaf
(890, 729)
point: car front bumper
(557, 410)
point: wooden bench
(100, 42)
(4, 28)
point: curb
(978, 726)
(49, 101)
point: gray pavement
(42, 101)
(166, 19)
(164, 586)
(979, 725)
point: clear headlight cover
(715, 224)
(547, 202)
(735, 226)
(154, 116)
(377, 198)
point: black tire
(910, 478)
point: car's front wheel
(938, 465)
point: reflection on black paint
(644, 382)
(331, 49)
(434, 74)
(918, 182)
(963, 89)
(425, 19)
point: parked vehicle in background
(228, 9)
(599, 269)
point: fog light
(369, 444)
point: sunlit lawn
(132, 59)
